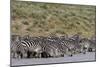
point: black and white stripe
(44, 47)
(17, 50)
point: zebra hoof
(90, 50)
(62, 55)
(84, 53)
(71, 55)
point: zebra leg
(39, 55)
(44, 55)
(84, 50)
(29, 53)
(12, 54)
(24, 55)
(19, 54)
(70, 53)
(15, 55)
(49, 56)
(62, 55)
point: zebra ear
(26, 37)
(15, 37)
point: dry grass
(44, 19)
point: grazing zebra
(70, 45)
(44, 49)
(51, 46)
(25, 47)
(55, 47)
(33, 47)
(17, 50)
(92, 47)
(49, 49)
(71, 48)
(85, 44)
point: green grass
(43, 19)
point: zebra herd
(49, 47)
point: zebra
(44, 50)
(17, 50)
(85, 44)
(69, 46)
(49, 46)
(26, 46)
(56, 49)
(33, 45)
(51, 42)
(45, 47)
(65, 45)
(43, 44)
(92, 47)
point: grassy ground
(43, 19)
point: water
(33, 61)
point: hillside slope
(44, 19)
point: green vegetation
(43, 19)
